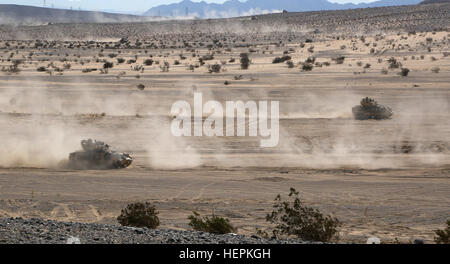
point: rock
(373, 240)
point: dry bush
(214, 68)
(393, 63)
(148, 62)
(139, 215)
(339, 60)
(443, 236)
(213, 224)
(108, 65)
(281, 59)
(404, 72)
(293, 218)
(307, 67)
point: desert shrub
(108, 65)
(339, 60)
(213, 224)
(443, 236)
(165, 67)
(310, 60)
(87, 70)
(207, 57)
(41, 69)
(214, 68)
(290, 64)
(148, 62)
(138, 68)
(139, 215)
(294, 218)
(245, 61)
(384, 71)
(120, 60)
(404, 72)
(393, 63)
(281, 59)
(307, 67)
(140, 86)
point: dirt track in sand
(358, 170)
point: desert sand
(389, 178)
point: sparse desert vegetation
(292, 217)
(139, 215)
(58, 84)
(210, 224)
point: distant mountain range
(234, 8)
(31, 15)
(435, 2)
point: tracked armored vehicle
(97, 155)
(370, 109)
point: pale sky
(121, 5)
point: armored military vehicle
(97, 155)
(370, 109)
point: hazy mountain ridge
(434, 2)
(18, 14)
(232, 8)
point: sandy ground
(357, 170)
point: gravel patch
(38, 231)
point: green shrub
(443, 236)
(294, 218)
(213, 224)
(139, 215)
